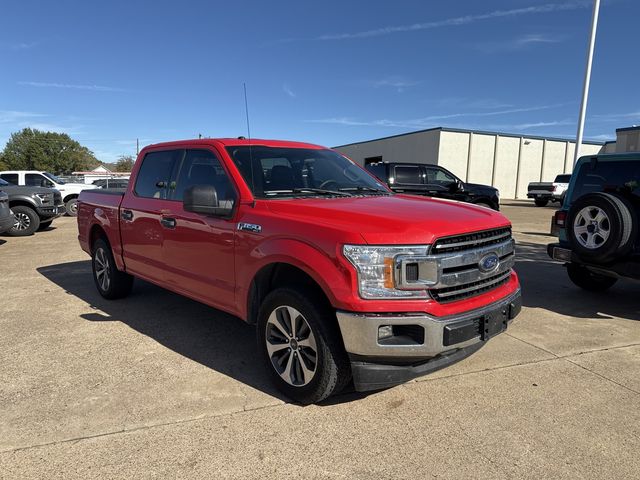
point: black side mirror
(204, 199)
(456, 186)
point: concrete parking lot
(159, 386)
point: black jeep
(598, 223)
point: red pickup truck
(345, 280)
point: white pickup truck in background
(560, 185)
(35, 178)
(544, 192)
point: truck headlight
(376, 268)
(41, 196)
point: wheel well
(97, 232)
(69, 197)
(278, 275)
(21, 203)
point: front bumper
(51, 212)
(446, 340)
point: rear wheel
(110, 282)
(588, 280)
(27, 221)
(541, 202)
(300, 345)
(72, 207)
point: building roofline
(628, 129)
(479, 132)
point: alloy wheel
(592, 227)
(102, 269)
(291, 346)
(23, 221)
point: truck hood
(393, 219)
(24, 190)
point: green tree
(125, 163)
(32, 149)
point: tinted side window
(36, 180)
(10, 177)
(621, 177)
(155, 173)
(202, 167)
(408, 175)
(439, 176)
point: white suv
(34, 178)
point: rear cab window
(10, 177)
(154, 177)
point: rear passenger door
(198, 249)
(142, 211)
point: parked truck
(345, 280)
(34, 178)
(33, 208)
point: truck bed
(101, 206)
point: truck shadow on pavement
(545, 285)
(205, 335)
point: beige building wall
(506, 169)
(481, 154)
(454, 151)
(507, 162)
(421, 147)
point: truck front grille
(460, 292)
(471, 241)
(460, 273)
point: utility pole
(587, 80)
(137, 147)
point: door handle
(126, 215)
(168, 222)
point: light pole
(587, 80)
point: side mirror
(204, 199)
(456, 186)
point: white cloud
(11, 116)
(97, 88)
(458, 21)
(286, 89)
(520, 43)
(617, 117)
(399, 83)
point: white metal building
(506, 161)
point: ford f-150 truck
(344, 279)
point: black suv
(433, 181)
(599, 220)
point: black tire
(27, 221)
(72, 207)
(44, 225)
(117, 284)
(588, 280)
(601, 227)
(541, 202)
(331, 370)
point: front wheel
(72, 207)
(110, 282)
(541, 202)
(27, 221)
(299, 342)
(588, 280)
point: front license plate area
(494, 323)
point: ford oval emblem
(489, 263)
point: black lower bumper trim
(374, 376)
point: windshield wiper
(320, 191)
(361, 188)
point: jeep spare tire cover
(601, 227)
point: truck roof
(231, 142)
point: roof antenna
(246, 109)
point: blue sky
(324, 72)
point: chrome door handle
(168, 222)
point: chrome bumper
(360, 331)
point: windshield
(290, 172)
(53, 178)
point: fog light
(385, 331)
